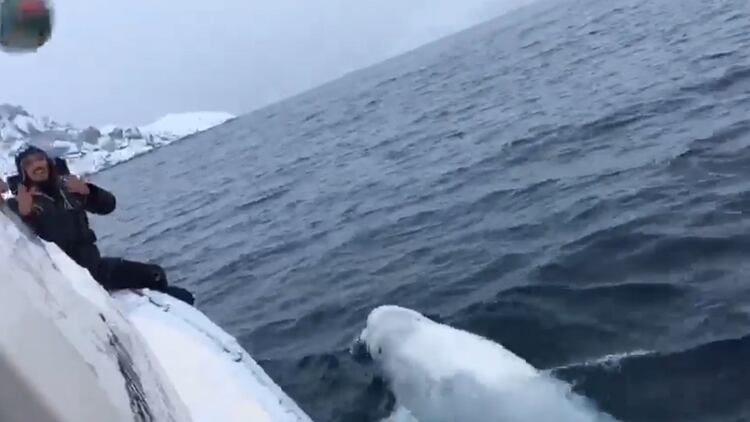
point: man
(55, 207)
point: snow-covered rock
(184, 124)
(90, 135)
(89, 150)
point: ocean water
(571, 180)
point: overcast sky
(132, 61)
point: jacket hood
(31, 149)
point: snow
(106, 129)
(89, 150)
(433, 380)
(25, 123)
(213, 374)
(184, 124)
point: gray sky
(132, 61)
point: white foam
(610, 362)
(400, 414)
(440, 374)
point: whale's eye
(380, 350)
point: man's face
(35, 167)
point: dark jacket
(59, 216)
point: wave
(702, 383)
(733, 77)
(361, 394)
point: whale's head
(387, 326)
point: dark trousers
(118, 274)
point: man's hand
(76, 185)
(3, 189)
(26, 199)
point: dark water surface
(571, 180)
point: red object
(31, 8)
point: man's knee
(151, 276)
(160, 276)
(118, 273)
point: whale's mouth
(359, 351)
(379, 391)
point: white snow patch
(106, 129)
(184, 124)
